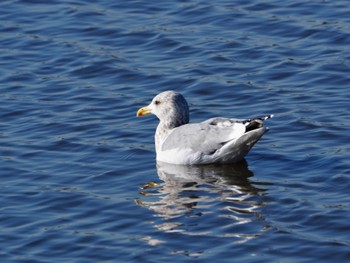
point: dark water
(76, 163)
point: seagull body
(217, 140)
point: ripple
(73, 156)
(189, 194)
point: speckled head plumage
(170, 107)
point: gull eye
(157, 102)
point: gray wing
(218, 120)
(204, 138)
(250, 124)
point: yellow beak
(143, 111)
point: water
(77, 165)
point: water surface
(79, 181)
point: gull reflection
(206, 200)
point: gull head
(170, 107)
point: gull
(214, 141)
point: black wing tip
(268, 117)
(256, 123)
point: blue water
(78, 179)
